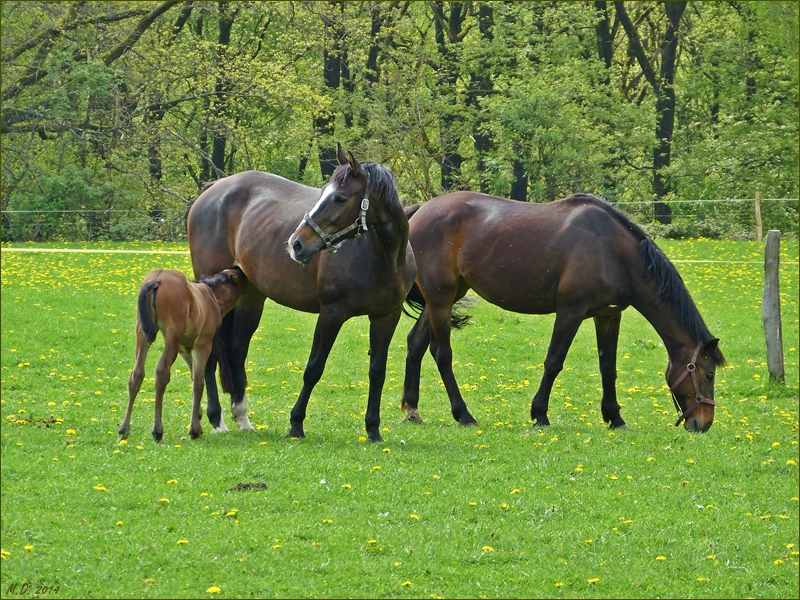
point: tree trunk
(332, 74)
(448, 31)
(480, 86)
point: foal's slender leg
(441, 316)
(564, 330)
(197, 362)
(329, 323)
(607, 330)
(135, 380)
(381, 330)
(418, 340)
(171, 345)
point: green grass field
(437, 510)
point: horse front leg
(329, 324)
(417, 342)
(197, 362)
(443, 354)
(381, 330)
(564, 330)
(607, 330)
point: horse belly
(511, 278)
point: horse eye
(709, 377)
(339, 199)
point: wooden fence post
(771, 307)
(759, 228)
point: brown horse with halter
(579, 258)
(246, 219)
(188, 315)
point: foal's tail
(147, 299)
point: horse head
(339, 215)
(691, 380)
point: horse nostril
(297, 246)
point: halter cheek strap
(331, 240)
(691, 369)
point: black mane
(380, 181)
(655, 264)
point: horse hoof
(622, 427)
(468, 421)
(295, 434)
(194, 435)
(157, 437)
(541, 422)
(376, 438)
(412, 416)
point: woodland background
(115, 114)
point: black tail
(147, 296)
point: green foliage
(565, 511)
(506, 95)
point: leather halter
(330, 240)
(691, 369)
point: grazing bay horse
(578, 257)
(188, 315)
(341, 252)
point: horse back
(524, 257)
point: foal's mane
(655, 265)
(380, 181)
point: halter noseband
(691, 369)
(330, 240)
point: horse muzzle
(299, 251)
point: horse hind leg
(246, 316)
(607, 330)
(135, 380)
(417, 342)
(443, 354)
(566, 326)
(162, 379)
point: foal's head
(339, 214)
(227, 287)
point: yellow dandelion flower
(778, 561)
(4, 554)
(487, 549)
(661, 558)
(172, 481)
(347, 486)
(72, 432)
(29, 548)
(593, 580)
(414, 516)
(372, 541)
(406, 583)
(119, 523)
(182, 542)
(214, 589)
(164, 500)
(232, 512)
(100, 488)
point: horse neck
(225, 296)
(663, 319)
(391, 228)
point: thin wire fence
(722, 218)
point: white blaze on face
(323, 197)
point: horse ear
(711, 345)
(355, 165)
(341, 155)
